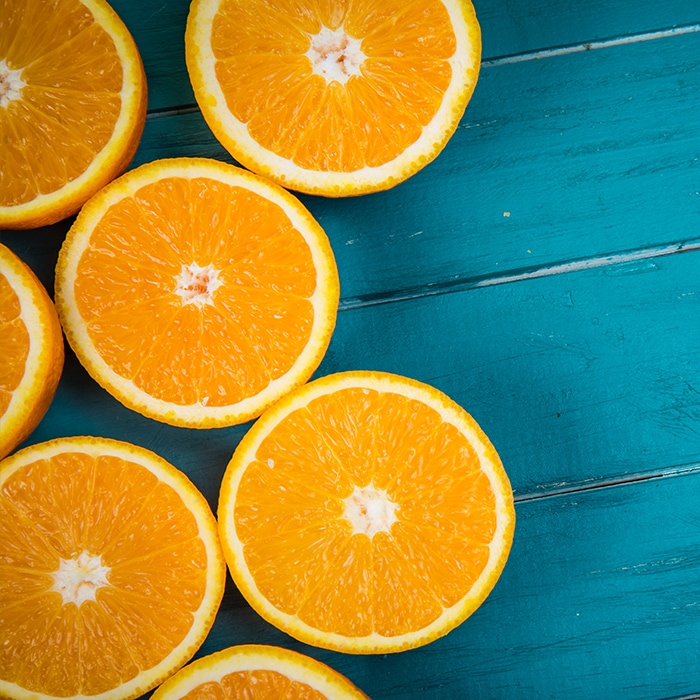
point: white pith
(335, 55)
(370, 510)
(196, 284)
(11, 83)
(79, 578)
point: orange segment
(258, 672)
(72, 106)
(197, 293)
(110, 570)
(335, 98)
(31, 348)
(366, 513)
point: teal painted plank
(158, 27)
(507, 28)
(599, 599)
(560, 159)
(599, 595)
(511, 28)
(579, 377)
(576, 378)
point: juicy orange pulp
(446, 504)
(72, 106)
(68, 514)
(253, 685)
(366, 513)
(14, 343)
(369, 120)
(264, 278)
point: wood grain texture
(508, 28)
(568, 158)
(579, 377)
(593, 603)
(534, 273)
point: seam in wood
(590, 46)
(582, 487)
(461, 284)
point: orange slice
(258, 672)
(365, 513)
(72, 106)
(197, 293)
(31, 348)
(111, 571)
(333, 98)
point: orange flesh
(71, 100)
(270, 86)
(55, 509)
(218, 353)
(302, 551)
(254, 685)
(14, 343)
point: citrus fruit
(31, 348)
(365, 513)
(111, 571)
(72, 106)
(196, 292)
(258, 672)
(333, 98)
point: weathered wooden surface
(543, 272)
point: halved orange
(196, 292)
(31, 351)
(111, 571)
(333, 98)
(72, 106)
(258, 672)
(366, 513)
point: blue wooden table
(544, 272)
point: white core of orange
(11, 83)
(370, 510)
(78, 579)
(335, 55)
(196, 285)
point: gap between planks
(565, 489)
(591, 46)
(515, 58)
(459, 284)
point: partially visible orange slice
(258, 672)
(31, 351)
(366, 513)
(338, 98)
(111, 571)
(72, 106)
(197, 293)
